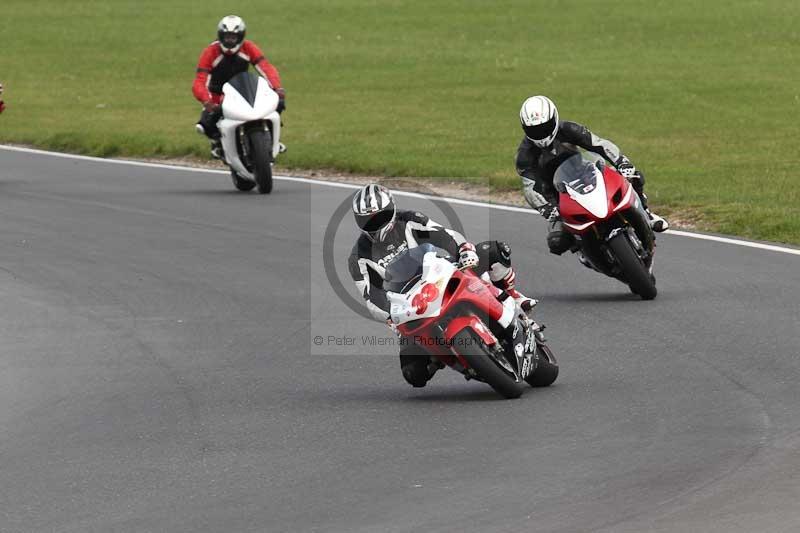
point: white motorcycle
(251, 131)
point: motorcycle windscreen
(246, 84)
(577, 176)
(248, 97)
(576, 173)
(406, 269)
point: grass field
(703, 96)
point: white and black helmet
(374, 210)
(230, 33)
(539, 118)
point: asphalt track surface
(158, 373)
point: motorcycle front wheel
(261, 155)
(546, 369)
(479, 357)
(640, 280)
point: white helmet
(539, 118)
(374, 210)
(230, 33)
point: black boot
(216, 149)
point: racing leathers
(215, 68)
(536, 167)
(368, 260)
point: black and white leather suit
(537, 166)
(369, 258)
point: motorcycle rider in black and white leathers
(547, 143)
(386, 232)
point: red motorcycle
(612, 231)
(454, 317)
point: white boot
(658, 223)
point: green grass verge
(703, 96)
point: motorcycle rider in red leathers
(229, 55)
(387, 231)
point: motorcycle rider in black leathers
(547, 143)
(386, 232)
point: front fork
(244, 144)
(523, 346)
(633, 222)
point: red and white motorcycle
(454, 316)
(612, 232)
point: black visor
(540, 131)
(374, 222)
(230, 39)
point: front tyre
(546, 369)
(640, 280)
(479, 357)
(261, 156)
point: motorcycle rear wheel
(640, 280)
(479, 358)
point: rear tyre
(261, 154)
(546, 370)
(243, 184)
(641, 282)
(479, 358)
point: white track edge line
(725, 240)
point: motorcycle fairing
(472, 322)
(246, 107)
(404, 307)
(593, 198)
(612, 193)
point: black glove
(549, 211)
(635, 178)
(211, 107)
(629, 171)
